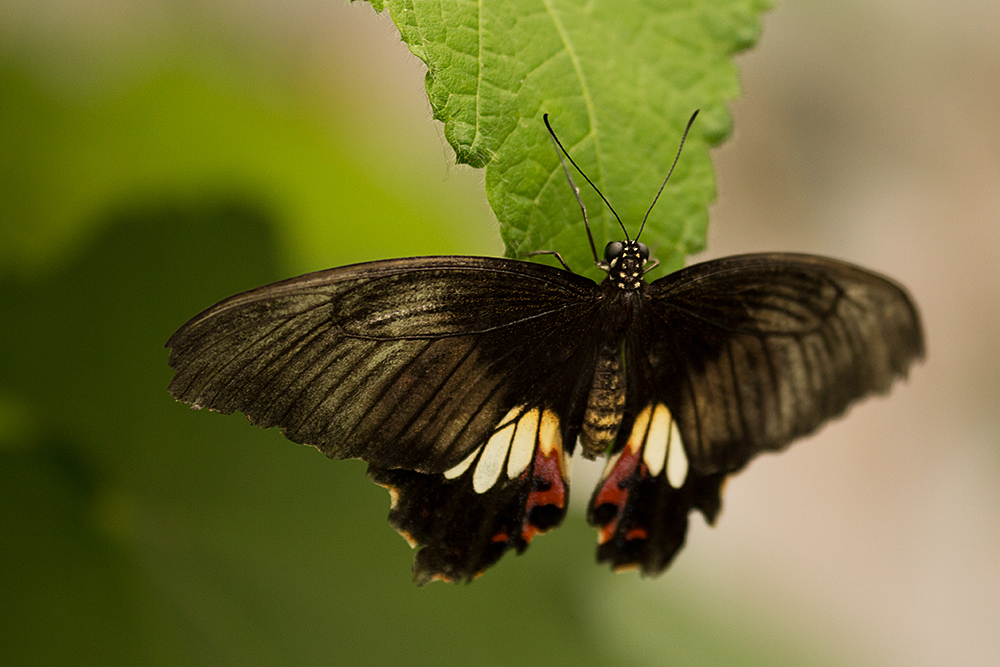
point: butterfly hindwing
(730, 358)
(512, 487)
(641, 503)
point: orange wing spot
(627, 567)
(637, 534)
(548, 488)
(614, 490)
(410, 539)
(500, 537)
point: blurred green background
(157, 157)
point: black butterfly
(467, 382)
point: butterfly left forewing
(403, 363)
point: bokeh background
(156, 157)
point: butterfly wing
(514, 488)
(730, 358)
(418, 366)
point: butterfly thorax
(624, 261)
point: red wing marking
(615, 491)
(547, 488)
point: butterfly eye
(643, 250)
(612, 250)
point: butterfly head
(624, 262)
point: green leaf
(619, 79)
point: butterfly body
(467, 382)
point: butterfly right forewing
(753, 351)
(730, 358)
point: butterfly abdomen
(605, 403)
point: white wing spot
(639, 426)
(522, 447)
(508, 427)
(491, 462)
(677, 462)
(549, 437)
(457, 471)
(654, 454)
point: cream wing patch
(549, 437)
(514, 443)
(492, 459)
(677, 461)
(522, 447)
(452, 473)
(655, 434)
(657, 440)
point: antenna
(676, 158)
(576, 190)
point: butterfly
(466, 383)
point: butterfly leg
(551, 252)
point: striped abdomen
(605, 404)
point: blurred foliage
(175, 132)
(135, 531)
